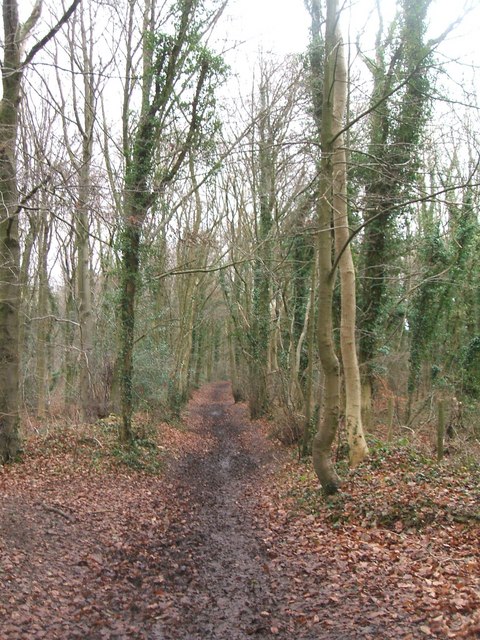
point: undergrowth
(96, 445)
(398, 487)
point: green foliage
(176, 113)
(470, 362)
(141, 454)
(400, 103)
(442, 332)
(176, 400)
(301, 256)
(314, 59)
(429, 302)
(151, 374)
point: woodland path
(210, 550)
(93, 555)
(219, 562)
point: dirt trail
(216, 547)
(219, 564)
(94, 555)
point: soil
(89, 555)
(200, 551)
(218, 563)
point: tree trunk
(310, 355)
(25, 291)
(330, 413)
(130, 272)
(15, 35)
(192, 253)
(329, 416)
(9, 244)
(163, 66)
(260, 334)
(42, 312)
(396, 123)
(82, 227)
(358, 449)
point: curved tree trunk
(328, 421)
(358, 449)
(322, 97)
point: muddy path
(217, 564)
(95, 553)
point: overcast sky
(281, 26)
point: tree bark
(15, 35)
(82, 230)
(260, 334)
(9, 242)
(330, 412)
(42, 311)
(358, 449)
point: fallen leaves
(232, 536)
(387, 549)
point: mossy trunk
(130, 271)
(258, 399)
(9, 242)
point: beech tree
(14, 63)
(329, 101)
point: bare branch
(53, 32)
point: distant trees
(177, 69)
(400, 106)
(157, 233)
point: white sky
(282, 26)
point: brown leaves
(384, 558)
(93, 549)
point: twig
(59, 512)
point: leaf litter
(213, 530)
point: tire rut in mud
(218, 564)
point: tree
(323, 107)
(358, 449)
(400, 103)
(15, 38)
(260, 319)
(84, 118)
(329, 102)
(178, 72)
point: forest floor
(211, 530)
